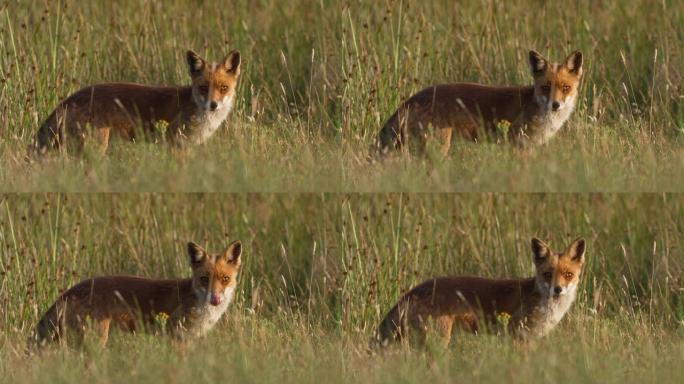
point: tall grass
(320, 271)
(321, 77)
(342, 259)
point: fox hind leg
(103, 329)
(101, 138)
(444, 327)
(445, 137)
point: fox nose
(557, 290)
(215, 299)
(555, 105)
(213, 105)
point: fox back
(522, 114)
(132, 303)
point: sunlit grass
(320, 271)
(321, 78)
(251, 350)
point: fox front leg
(176, 132)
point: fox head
(214, 276)
(213, 85)
(558, 273)
(555, 85)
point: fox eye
(224, 88)
(568, 275)
(225, 279)
(566, 88)
(548, 275)
(204, 280)
(545, 88)
(204, 89)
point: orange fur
(130, 303)
(530, 306)
(128, 110)
(533, 113)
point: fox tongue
(215, 299)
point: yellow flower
(503, 318)
(161, 318)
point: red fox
(527, 307)
(125, 109)
(529, 114)
(129, 303)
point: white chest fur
(207, 315)
(207, 122)
(545, 126)
(550, 312)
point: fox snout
(213, 105)
(215, 299)
(557, 290)
(556, 105)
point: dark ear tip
(234, 56)
(238, 245)
(194, 251)
(536, 55)
(538, 245)
(234, 250)
(580, 247)
(537, 61)
(539, 249)
(192, 246)
(576, 58)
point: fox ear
(540, 250)
(574, 63)
(195, 62)
(232, 63)
(537, 62)
(196, 253)
(576, 250)
(233, 252)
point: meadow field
(320, 271)
(321, 77)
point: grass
(320, 78)
(321, 270)
(265, 353)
